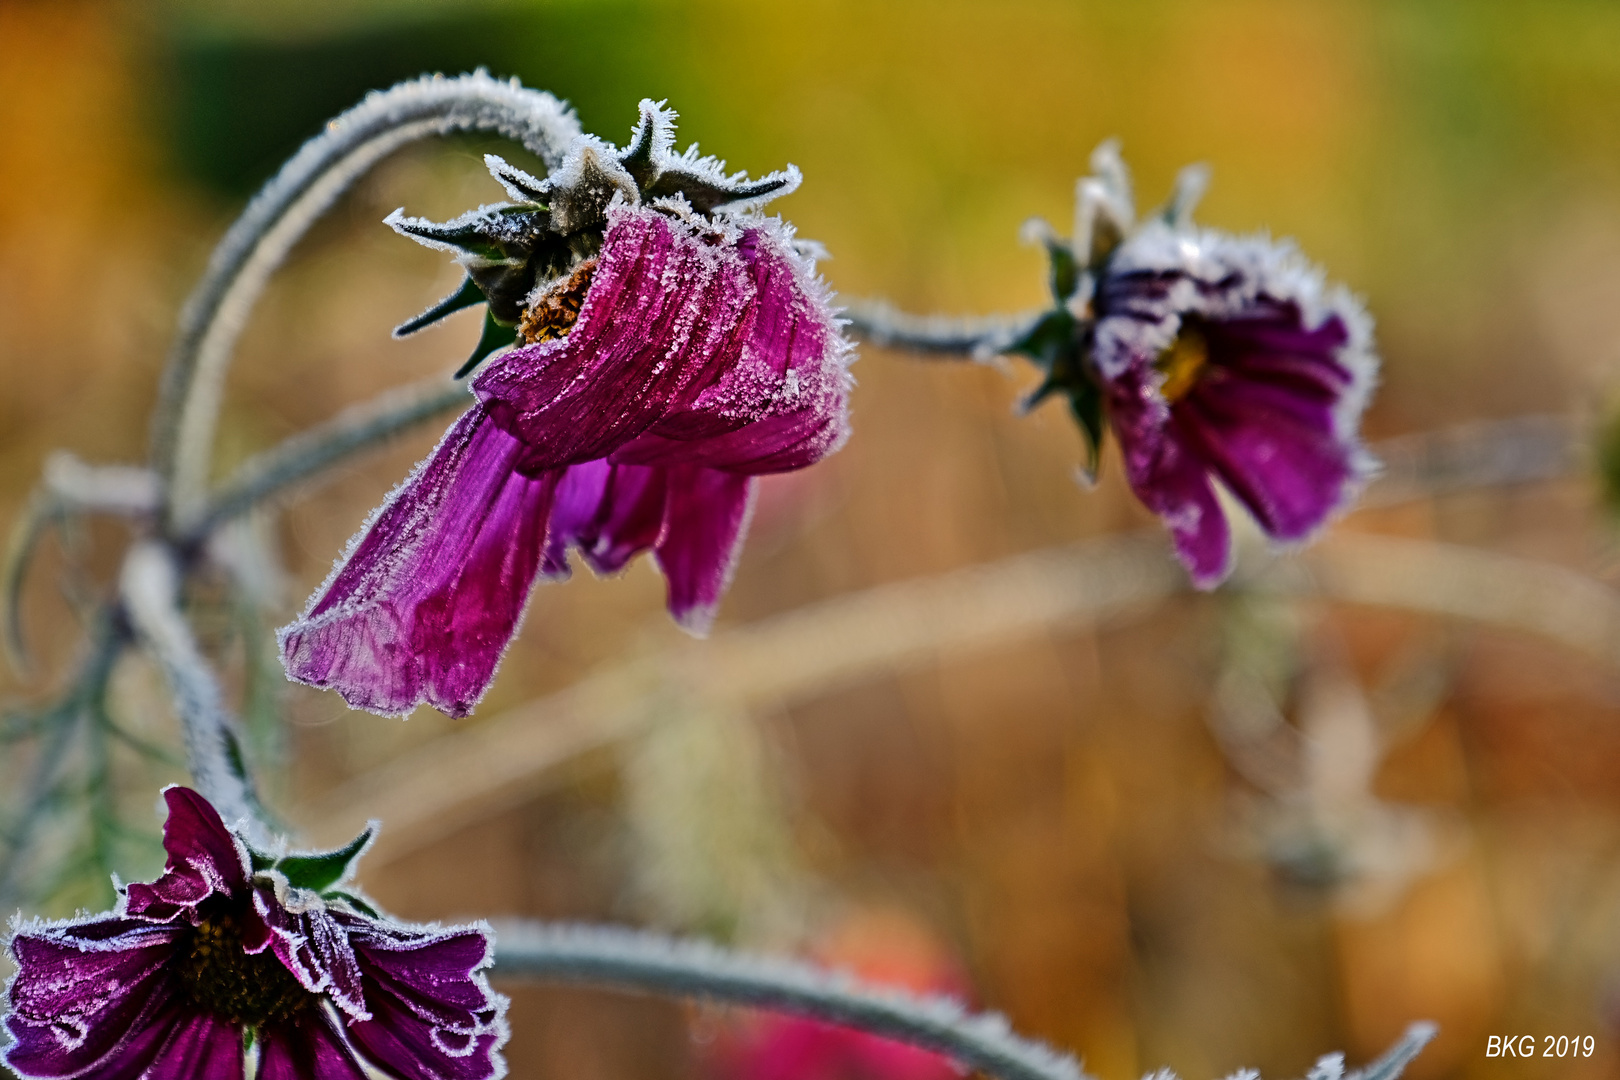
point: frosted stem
(970, 338)
(307, 453)
(1398, 1057)
(633, 960)
(150, 588)
(189, 397)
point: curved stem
(651, 963)
(150, 587)
(634, 960)
(189, 397)
(970, 338)
(307, 453)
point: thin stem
(83, 695)
(307, 453)
(190, 394)
(150, 585)
(632, 960)
(651, 963)
(971, 338)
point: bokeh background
(1206, 832)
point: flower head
(232, 950)
(1214, 359)
(675, 347)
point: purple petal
(431, 591)
(86, 992)
(200, 1046)
(307, 1048)
(610, 512)
(312, 945)
(704, 521)
(660, 321)
(1264, 421)
(1173, 482)
(435, 1017)
(204, 859)
(783, 404)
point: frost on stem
(651, 963)
(189, 397)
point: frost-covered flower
(1215, 360)
(233, 953)
(676, 346)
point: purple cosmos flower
(1217, 360)
(675, 349)
(231, 951)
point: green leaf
(496, 335)
(464, 297)
(353, 901)
(320, 872)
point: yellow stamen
(1182, 364)
(554, 313)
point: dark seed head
(241, 987)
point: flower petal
(1265, 420)
(434, 1015)
(611, 513)
(311, 944)
(422, 606)
(204, 858)
(200, 1046)
(705, 519)
(783, 404)
(660, 321)
(307, 1048)
(1172, 480)
(86, 993)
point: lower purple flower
(228, 954)
(1226, 359)
(704, 354)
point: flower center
(1182, 364)
(241, 987)
(557, 309)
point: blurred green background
(1054, 810)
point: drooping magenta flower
(1216, 361)
(675, 348)
(232, 953)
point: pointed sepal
(320, 871)
(464, 297)
(703, 182)
(497, 335)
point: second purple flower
(674, 347)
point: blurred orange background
(1066, 807)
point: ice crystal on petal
(1214, 359)
(701, 352)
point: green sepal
(706, 196)
(1052, 337)
(249, 1035)
(1065, 271)
(1086, 402)
(318, 873)
(353, 901)
(497, 335)
(464, 297)
(1608, 462)
(259, 860)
